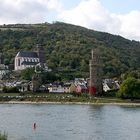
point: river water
(70, 122)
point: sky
(120, 17)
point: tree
(84, 66)
(48, 77)
(130, 88)
(68, 46)
(134, 74)
(27, 73)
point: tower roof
(27, 54)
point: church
(25, 60)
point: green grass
(9, 94)
(59, 97)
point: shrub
(130, 88)
(10, 90)
(85, 95)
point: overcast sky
(121, 17)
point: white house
(110, 84)
(56, 88)
(25, 60)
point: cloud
(27, 11)
(92, 14)
(130, 25)
(55, 4)
(88, 13)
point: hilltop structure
(25, 60)
(95, 81)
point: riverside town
(32, 63)
(36, 73)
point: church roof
(29, 63)
(27, 54)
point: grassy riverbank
(62, 98)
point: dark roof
(29, 63)
(27, 54)
(112, 85)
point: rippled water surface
(70, 122)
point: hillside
(68, 47)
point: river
(70, 122)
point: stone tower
(95, 83)
(1, 57)
(41, 54)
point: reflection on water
(70, 122)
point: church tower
(1, 57)
(95, 83)
(41, 54)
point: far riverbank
(53, 98)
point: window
(18, 62)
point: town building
(72, 88)
(81, 89)
(110, 85)
(25, 60)
(4, 69)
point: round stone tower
(95, 82)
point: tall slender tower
(41, 54)
(1, 57)
(95, 83)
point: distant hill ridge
(68, 47)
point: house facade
(72, 88)
(81, 89)
(110, 84)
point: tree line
(68, 48)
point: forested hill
(68, 47)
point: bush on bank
(10, 90)
(130, 89)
